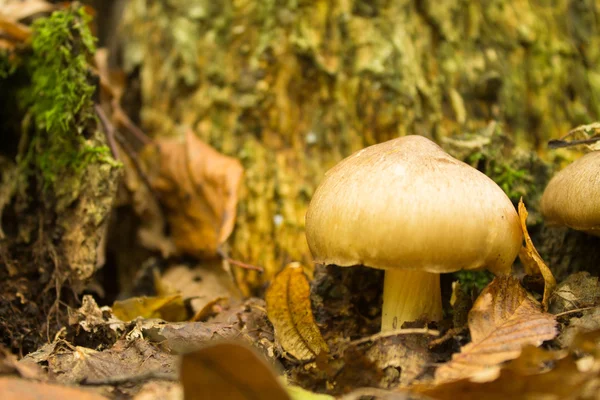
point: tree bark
(290, 87)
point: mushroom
(570, 199)
(408, 207)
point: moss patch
(59, 98)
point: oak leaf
(229, 370)
(503, 319)
(289, 310)
(198, 188)
(532, 261)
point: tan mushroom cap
(407, 204)
(572, 198)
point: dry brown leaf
(229, 370)
(198, 187)
(14, 29)
(9, 365)
(126, 358)
(210, 309)
(21, 389)
(169, 308)
(289, 310)
(578, 290)
(536, 374)
(503, 319)
(18, 10)
(203, 284)
(532, 261)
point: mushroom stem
(409, 295)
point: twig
(575, 311)
(448, 335)
(136, 164)
(109, 131)
(237, 263)
(117, 380)
(380, 335)
(557, 143)
(124, 120)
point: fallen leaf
(169, 308)
(246, 321)
(532, 261)
(210, 309)
(126, 358)
(404, 357)
(289, 310)
(21, 389)
(14, 29)
(503, 319)
(198, 188)
(578, 290)
(229, 370)
(203, 284)
(536, 374)
(588, 321)
(9, 365)
(93, 324)
(18, 10)
(151, 232)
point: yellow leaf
(503, 319)
(289, 310)
(170, 308)
(229, 370)
(532, 261)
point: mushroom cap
(572, 196)
(407, 204)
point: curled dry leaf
(198, 188)
(503, 319)
(229, 370)
(536, 374)
(532, 261)
(289, 310)
(169, 308)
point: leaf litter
(531, 259)
(290, 312)
(503, 319)
(185, 192)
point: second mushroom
(408, 207)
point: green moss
(7, 68)
(513, 181)
(59, 98)
(473, 281)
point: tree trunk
(291, 87)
